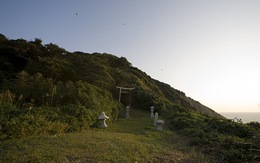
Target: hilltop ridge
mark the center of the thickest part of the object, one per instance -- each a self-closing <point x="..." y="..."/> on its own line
<point x="105" y="71"/>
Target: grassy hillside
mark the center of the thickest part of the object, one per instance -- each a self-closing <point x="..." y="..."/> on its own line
<point x="51" y="96"/>
<point x="126" y="140"/>
<point x="21" y="59"/>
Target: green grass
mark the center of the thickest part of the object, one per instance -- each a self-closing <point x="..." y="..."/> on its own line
<point x="125" y="140"/>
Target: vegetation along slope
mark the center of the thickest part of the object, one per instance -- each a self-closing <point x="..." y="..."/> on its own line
<point x="46" y="90"/>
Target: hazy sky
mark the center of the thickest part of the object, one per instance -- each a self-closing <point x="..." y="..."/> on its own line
<point x="209" y="49"/>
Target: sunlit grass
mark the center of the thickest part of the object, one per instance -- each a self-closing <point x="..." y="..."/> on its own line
<point x="126" y="140"/>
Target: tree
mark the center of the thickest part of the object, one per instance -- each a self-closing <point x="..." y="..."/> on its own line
<point x="3" y="39"/>
<point x="54" y="49"/>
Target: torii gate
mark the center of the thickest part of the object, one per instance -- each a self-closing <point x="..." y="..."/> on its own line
<point x="123" y="90"/>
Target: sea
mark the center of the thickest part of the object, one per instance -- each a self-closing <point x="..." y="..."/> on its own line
<point x="246" y="117"/>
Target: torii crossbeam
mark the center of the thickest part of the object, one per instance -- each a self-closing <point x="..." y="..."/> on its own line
<point x="123" y="90"/>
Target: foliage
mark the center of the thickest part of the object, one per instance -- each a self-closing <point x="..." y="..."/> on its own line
<point x="125" y="141"/>
<point x="45" y="89"/>
<point x="40" y="106"/>
<point x="225" y="139"/>
<point x="105" y="71"/>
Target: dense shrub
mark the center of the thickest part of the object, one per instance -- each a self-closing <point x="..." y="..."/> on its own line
<point x="19" y="122"/>
<point x="40" y="106"/>
<point x="229" y="127"/>
<point x="231" y="141"/>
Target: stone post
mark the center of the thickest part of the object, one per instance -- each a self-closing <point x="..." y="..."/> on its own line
<point x="127" y="111"/>
<point x="159" y="125"/>
<point x="152" y="114"/>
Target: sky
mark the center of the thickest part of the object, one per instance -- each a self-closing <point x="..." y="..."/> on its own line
<point x="209" y="49"/>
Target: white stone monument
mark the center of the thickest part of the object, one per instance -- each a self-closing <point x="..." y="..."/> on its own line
<point x="155" y="119"/>
<point x="127" y="111"/>
<point x="159" y="125"/>
<point x="103" y="119"/>
<point x="152" y="110"/>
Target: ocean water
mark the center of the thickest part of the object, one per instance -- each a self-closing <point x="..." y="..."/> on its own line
<point x="244" y="116"/>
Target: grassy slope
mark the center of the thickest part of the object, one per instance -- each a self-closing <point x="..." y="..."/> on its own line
<point x="126" y="140"/>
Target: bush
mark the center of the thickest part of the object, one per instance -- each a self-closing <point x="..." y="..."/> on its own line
<point x="228" y="127"/>
<point x="217" y="137"/>
<point x="67" y="107"/>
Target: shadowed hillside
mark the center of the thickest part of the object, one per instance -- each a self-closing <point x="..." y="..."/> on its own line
<point x="105" y="71"/>
<point x="46" y="90"/>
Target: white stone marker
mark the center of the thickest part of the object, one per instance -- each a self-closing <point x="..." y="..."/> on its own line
<point x="155" y="119"/>
<point x="103" y="119"/>
<point x="152" y="114"/>
<point x="127" y="111"/>
<point x="159" y="125"/>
